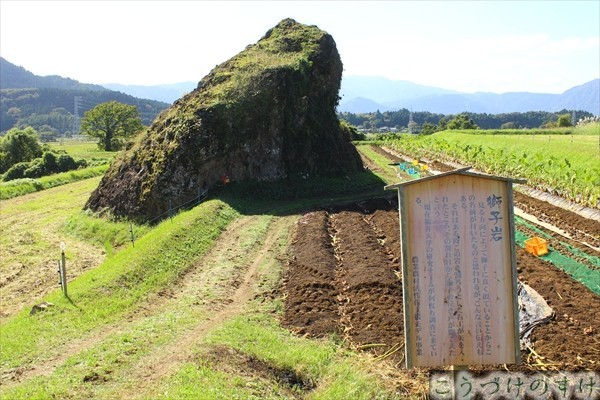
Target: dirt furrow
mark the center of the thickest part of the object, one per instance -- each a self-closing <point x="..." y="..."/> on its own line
<point x="311" y="305"/>
<point x="353" y="283"/>
<point x="369" y="284"/>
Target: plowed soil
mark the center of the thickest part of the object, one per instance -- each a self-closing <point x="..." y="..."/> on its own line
<point x="344" y="278"/>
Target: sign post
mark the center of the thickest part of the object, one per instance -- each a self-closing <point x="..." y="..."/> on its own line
<point x="459" y="275"/>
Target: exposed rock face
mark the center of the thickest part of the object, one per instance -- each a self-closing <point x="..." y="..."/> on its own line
<point x="265" y="114"/>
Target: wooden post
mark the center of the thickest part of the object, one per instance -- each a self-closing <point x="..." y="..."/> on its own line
<point x="63" y="270"/>
<point x="132" y="236"/>
<point x="171" y="210"/>
<point x="59" y="274"/>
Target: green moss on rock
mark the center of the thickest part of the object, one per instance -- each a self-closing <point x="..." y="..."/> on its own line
<point x="265" y="114"/>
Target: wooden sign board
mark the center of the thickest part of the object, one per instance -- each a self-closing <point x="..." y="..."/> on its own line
<point x="459" y="270"/>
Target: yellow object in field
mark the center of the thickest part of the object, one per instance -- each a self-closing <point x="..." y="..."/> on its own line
<point x="536" y="246"/>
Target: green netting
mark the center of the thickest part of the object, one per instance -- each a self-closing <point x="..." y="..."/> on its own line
<point x="580" y="272"/>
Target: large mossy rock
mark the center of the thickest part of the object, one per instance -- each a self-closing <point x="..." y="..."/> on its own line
<point x="266" y="114"/>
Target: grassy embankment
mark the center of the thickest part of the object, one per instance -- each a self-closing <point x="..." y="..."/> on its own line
<point x="565" y="164"/>
<point x="159" y="306"/>
<point x="76" y="149"/>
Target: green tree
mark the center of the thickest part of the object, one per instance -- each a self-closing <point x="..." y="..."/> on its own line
<point x="509" y="125"/>
<point x="19" y="145"/>
<point x="428" y="128"/>
<point x="111" y="122"/>
<point x="442" y="124"/>
<point x="462" y="121"/>
<point x="564" y="120"/>
<point x="350" y="132"/>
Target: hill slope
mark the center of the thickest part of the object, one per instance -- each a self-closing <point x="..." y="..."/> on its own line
<point x="367" y="94"/>
<point x="51" y="102"/>
<point x="16" y="77"/>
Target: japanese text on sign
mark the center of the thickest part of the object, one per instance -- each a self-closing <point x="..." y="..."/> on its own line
<point x="459" y="277"/>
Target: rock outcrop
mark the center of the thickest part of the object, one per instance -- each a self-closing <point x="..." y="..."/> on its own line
<point x="266" y="114"/>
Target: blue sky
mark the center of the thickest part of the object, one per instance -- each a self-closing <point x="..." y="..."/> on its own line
<point x="495" y="46"/>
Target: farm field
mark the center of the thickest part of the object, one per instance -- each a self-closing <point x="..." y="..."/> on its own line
<point x="265" y="301"/>
<point x="87" y="149"/>
<point x="568" y="165"/>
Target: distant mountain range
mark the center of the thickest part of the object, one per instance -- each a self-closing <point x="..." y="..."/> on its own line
<point x="362" y="94"/>
<point x="359" y="94"/>
<point x="53" y="103"/>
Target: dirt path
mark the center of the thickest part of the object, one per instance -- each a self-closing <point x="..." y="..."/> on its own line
<point x="233" y="298"/>
<point x="221" y="292"/>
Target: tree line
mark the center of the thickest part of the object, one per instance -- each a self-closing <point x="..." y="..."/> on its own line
<point x="427" y="120"/>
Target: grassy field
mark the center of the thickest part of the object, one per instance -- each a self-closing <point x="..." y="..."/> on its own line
<point x="568" y="165"/>
<point x="20" y="187"/>
<point x="151" y="320"/>
<point x="87" y="150"/>
<point x="77" y="149"/>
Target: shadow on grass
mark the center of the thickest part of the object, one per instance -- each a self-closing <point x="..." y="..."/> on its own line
<point x="298" y="194"/>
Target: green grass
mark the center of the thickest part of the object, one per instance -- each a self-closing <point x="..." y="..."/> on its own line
<point x="588" y="129"/>
<point x="388" y="172"/>
<point x="87" y="150"/>
<point x="297" y="193"/>
<point x="332" y="372"/>
<point x="559" y="146"/>
<point x="105" y="315"/>
<point x="104" y="294"/>
<point x="322" y="369"/>
<point x="33" y="226"/>
<point x="111" y="235"/>
<point x="20" y="187"/>
<point x="568" y="165"/>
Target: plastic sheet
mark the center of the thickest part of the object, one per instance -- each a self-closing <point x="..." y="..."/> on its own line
<point x="533" y="311"/>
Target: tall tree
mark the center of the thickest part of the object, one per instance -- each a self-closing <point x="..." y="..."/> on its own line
<point x="564" y="120"/>
<point x="19" y="145"/>
<point x="111" y="122"/>
<point x="462" y="121"/>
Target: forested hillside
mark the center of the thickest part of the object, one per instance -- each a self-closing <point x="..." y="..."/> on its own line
<point x="53" y="103"/>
